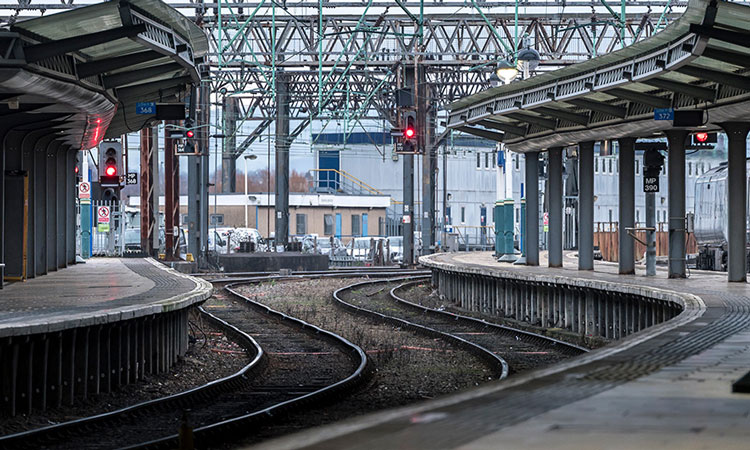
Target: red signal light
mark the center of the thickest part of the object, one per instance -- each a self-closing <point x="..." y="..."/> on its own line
<point x="111" y="171"/>
<point x="190" y="133"/>
<point x="409" y="133"/>
<point x="76" y="169"/>
<point x="701" y="137"/>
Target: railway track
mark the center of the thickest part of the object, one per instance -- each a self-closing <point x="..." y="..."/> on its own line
<point x="264" y="389"/>
<point x="515" y="350"/>
<point x="221" y="410"/>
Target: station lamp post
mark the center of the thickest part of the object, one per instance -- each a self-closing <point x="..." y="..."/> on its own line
<point x="248" y="157"/>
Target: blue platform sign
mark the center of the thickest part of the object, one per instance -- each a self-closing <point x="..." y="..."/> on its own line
<point x="145" y="108"/>
<point x="664" y="114"/>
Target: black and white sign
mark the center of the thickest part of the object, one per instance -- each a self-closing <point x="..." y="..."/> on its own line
<point x="650" y="184"/>
<point x="132" y="178"/>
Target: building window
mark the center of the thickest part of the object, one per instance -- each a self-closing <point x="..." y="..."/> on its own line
<point x="301" y="225"/>
<point x="486" y="160"/>
<point x="610" y="167"/>
<point x="328" y="224"/>
<point x="463" y="214"/>
<point x="217" y="219"/>
<point x="596" y="165"/>
<point x="479" y="160"/>
<point x="356" y="225"/>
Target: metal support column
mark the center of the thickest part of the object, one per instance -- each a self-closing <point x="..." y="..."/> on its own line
<point x="408" y="212"/>
<point x="531" y="235"/>
<point x="626" y="214"/>
<point x="426" y="125"/>
<point x="651" y="235"/>
<point x="171" y="197"/>
<point x="555" y="207"/>
<point x="586" y="205"/>
<point x="737" y="201"/>
<point x="676" y="206"/>
<point x="148" y="220"/>
<point x="283" y="143"/>
<point x="228" y="157"/>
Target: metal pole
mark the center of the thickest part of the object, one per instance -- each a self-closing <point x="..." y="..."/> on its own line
<point x="555" y="207"/>
<point x="408" y="212"/>
<point x="737" y="201"/>
<point x="497" y="210"/>
<point x="531" y="235"/>
<point x="246" y="221"/>
<point x="282" y="161"/>
<point x="228" y="160"/>
<point x="626" y="157"/>
<point x="445" y="195"/>
<point x="586" y="206"/>
<point x="676" y="206"/>
<point x="651" y="235"/>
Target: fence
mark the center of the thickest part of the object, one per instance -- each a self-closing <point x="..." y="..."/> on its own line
<point x="607" y="235"/>
<point x="108" y="243"/>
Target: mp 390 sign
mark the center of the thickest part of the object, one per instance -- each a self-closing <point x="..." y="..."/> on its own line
<point x="650" y="184"/>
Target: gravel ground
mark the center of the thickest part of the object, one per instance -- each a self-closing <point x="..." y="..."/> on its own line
<point x="409" y="368"/>
<point x="424" y="294"/>
<point x="210" y="356"/>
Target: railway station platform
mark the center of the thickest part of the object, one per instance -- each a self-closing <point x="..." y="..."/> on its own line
<point x="90" y="328"/>
<point x="665" y="381"/>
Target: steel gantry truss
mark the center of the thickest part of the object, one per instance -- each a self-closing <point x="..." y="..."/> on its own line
<point x="342" y="58"/>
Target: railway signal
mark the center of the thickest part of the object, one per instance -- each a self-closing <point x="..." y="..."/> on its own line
<point x="110" y="164"/>
<point x="410" y="134"/>
<point x="703" y="140"/>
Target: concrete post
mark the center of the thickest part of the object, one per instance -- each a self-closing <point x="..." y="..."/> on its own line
<point x="586" y="206"/>
<point x="531" y="235"/>
<point x="737" y="201"/>
<point x="626" y="219"/>
<point x="676" y="206"/>
<point x="555" y="207"/>
<point x="283" y="142"/>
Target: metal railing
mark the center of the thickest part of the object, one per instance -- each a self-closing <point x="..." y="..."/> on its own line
<point x="338" y="181"/>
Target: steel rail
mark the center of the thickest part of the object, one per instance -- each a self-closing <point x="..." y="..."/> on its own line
<point x="179" y="400"/>
<point x="224" y="429"/>
<point x="527" y="336"/>
<point x="498" y="365"/>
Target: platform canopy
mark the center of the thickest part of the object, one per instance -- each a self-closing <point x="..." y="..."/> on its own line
<point x="700" y="61"/>
<point x="81" y="72"/>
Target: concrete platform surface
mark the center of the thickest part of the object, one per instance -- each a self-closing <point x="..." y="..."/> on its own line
<point x="668" y="386"/>
<point x="103" y="290"/>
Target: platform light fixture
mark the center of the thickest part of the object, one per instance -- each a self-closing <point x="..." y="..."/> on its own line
<point x="506" y="71"/>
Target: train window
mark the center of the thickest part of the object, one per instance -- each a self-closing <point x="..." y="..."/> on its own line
<point x="690" y="168"/>
<point x="610" y="168"/>
<point x="637" y="167"/>
<point x="486" y="160"/>
<point x="479" y="160"/>
<point x="596" y="165"/>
